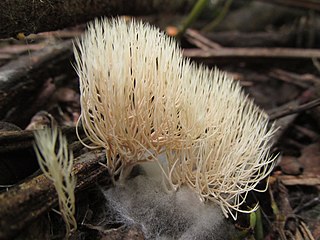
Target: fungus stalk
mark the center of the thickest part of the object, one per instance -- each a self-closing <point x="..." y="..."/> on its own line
<point x="141" y="99"/>
<point x="56" y="163"/>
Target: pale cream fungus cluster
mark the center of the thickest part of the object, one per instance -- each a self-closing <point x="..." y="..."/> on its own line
<point x="141" y="99"/>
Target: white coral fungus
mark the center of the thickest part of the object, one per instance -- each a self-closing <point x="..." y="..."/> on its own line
<point x="140" y="98"/>
<point x="56" y="163"/>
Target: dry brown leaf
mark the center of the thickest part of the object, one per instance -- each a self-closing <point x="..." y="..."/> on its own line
<point x="310" y="159"/>
<point x="290" y="165"/>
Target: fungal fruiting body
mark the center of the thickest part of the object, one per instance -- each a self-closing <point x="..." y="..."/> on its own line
<point x="141" y="99"/>
<point x="130" y="85"/>
<point x="56" y="163"/>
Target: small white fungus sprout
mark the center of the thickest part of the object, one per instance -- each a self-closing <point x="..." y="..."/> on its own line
<point x="56" y="163"/>
<point x="141" y="99"/>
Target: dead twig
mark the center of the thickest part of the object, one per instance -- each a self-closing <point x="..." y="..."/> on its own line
<point x="22" y="79"/>
<point x="253" y="39"/>
<point x="201" y="41"/>
<point x="288" y="77"/>
<point x="303" y="180"/>
<point x="313" y="202"/>
<point x="16" y="140"/>
<point x="17" y="158"/>
<point x="20" y="49"/>
<point x="283" y="123"/>
<point x="297" y="109"/>
<point x="252" y="53"/>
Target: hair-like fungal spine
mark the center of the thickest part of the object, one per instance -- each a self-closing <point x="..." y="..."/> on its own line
<point x="140" y="98"/>
<point x="56" y="162"/>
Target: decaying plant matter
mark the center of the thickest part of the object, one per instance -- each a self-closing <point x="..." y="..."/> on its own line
<point x="141" y="99"/>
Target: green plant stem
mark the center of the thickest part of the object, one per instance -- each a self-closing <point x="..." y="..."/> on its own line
<point x="219" y="18"/>
<point x="253" y="220"/>
<point x="193" y="15"/>
<point x="274" y="205"/>
<point x="258" y="231"/>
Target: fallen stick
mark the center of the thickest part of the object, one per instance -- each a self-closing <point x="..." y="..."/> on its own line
<point x="285" y="122"/>
<point x="252" y="53"/>
<point x="16" y="140"/>
<point x="297" y="109"/>
<point x="291" y="78"/>
<point x="235" y="38"/>
<point x="304" y="180"/>
<point x="17" y="158"/>
<point x="201" y="41"/>
<point x="26" y="202"/>
<point x="21" y="79"/>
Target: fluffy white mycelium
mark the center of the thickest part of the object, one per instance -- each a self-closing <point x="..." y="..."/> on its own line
<point x="141" y="99"/>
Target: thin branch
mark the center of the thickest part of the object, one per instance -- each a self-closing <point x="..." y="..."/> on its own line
<point x="293" y="78"/>
<point x="201" y="41"/>
<point x="297" y="109"/>
<point x="17" y="140"/>
<point x="253" y="53"/>
<point x="282" y="124"/>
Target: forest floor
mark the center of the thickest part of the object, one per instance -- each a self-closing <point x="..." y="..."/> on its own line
<point x="275" y="58"/>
